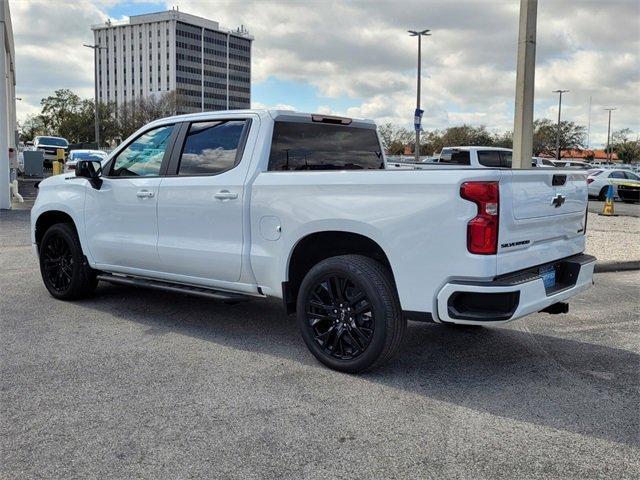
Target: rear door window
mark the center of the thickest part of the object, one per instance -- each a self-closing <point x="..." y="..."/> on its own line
<point x="455" y="157"/>
<point x="489" y="158"/>
<point x="211" y="147"/>
<point x="616" y="175"/>
<point x="317" y="146"/>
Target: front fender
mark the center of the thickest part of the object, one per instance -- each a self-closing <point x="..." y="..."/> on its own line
<point x="68" y="198"/>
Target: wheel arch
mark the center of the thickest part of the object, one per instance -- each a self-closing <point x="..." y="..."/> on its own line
<point x="49" y="218"/>
<point x="314" y="247"/>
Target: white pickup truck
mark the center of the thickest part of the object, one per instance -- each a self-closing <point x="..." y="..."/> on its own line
<point x="240" y="204"/>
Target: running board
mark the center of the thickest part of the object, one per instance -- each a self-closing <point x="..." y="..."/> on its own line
<point x="173" y="287"/>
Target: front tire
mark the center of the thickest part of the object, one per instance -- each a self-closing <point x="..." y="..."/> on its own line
<point x="63" y="266"/>
<point x="349" y="313"/>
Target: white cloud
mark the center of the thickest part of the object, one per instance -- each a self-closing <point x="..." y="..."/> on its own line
<point x="49" y="53"/>
<point x="360" y="49"/>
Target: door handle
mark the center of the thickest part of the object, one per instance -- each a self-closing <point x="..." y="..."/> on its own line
<point x="144" y="194"/>
<point x="226" y="195"/>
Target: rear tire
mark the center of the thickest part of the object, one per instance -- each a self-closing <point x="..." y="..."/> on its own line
<point x="63" y="266"/>
<point x="349" y="313"/>
<point x="603" y="194"/>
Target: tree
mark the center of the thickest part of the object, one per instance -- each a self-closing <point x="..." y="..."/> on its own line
<point x="504" y="140"/>
<point x="572" y="136"/>
<point x="58" y="108"/>
<point x="138" y="112"/>
<point x="394" y="138"/>
<point x="32" y="126"/>
<point x="628" y="150"/>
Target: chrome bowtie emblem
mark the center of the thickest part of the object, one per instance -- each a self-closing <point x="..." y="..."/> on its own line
<point x="558" y="200"/>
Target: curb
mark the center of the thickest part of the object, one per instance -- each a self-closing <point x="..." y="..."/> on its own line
<point x="602" y="267"/>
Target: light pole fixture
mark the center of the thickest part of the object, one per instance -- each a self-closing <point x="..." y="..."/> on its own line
<point x="609" y="134"/>
<point x="418" y="113"/>
<point x="558" y="132"/>
<point x="96" y="49"/>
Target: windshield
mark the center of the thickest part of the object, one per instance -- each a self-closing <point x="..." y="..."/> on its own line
<point x="58" y="142"/>
<point x="87" y="156"/>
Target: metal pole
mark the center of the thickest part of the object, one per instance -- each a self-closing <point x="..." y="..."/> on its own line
<point x="558" y="130"/>
<point x="95" y="79"/>
<point x="417" y="149"/>
<point x="525" y="82"/>
<point x="96" y="51"/>
<point x="417" y="121"/>
<point x="228" y="38"/>
<point x="589" y="125"/>
<point x="609" y="135"/>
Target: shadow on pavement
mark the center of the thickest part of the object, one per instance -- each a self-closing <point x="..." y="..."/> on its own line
<point x="554" y="382"/>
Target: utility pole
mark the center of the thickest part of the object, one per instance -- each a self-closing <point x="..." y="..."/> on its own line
<point x="418" y="114"/>
<point x="609" y="134"/>
<point x="96" y="50"/>
<point x="558" y="131"/>
<point x="525" y="81"/>
<point x="589" y="125"/>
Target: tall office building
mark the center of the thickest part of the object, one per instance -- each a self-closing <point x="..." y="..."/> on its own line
<point x="209" y="68"/>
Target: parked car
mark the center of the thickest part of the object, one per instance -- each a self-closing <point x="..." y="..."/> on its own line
<point x="49" y="147"/>
<point x="485" y="157"/>
<point x="256" y="203"/>
<point x="476" y="156"/>
<point x="76" y="155"/>
<point x="629" y="192"/>
<point x="541" y="162"/>
<point x="572" y="164"/>
<point x="598" y="181"/>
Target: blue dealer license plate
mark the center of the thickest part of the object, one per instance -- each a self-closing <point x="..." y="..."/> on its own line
<point x="548" y="275"/>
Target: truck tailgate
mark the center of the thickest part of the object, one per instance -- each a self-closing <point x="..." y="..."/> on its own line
<point x="542" y="217"/>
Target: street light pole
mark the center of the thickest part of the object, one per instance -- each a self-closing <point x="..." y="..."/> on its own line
<point x="609" y="134"/>
<point x="559" y="112"/>
<point x="418" y="113"/>
<point x="96" y="50"/>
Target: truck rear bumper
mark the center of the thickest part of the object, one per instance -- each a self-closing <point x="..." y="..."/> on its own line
<point x="514" y="295"/>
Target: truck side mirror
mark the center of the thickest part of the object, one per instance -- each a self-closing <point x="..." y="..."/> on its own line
<point x="91" y="170"/>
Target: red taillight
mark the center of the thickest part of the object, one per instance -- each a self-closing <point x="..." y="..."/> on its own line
<point x="482" y="230"/>
<point x="589" y="180"/>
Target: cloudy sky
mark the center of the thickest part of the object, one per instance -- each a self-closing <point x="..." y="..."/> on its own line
<point x="355" y="57"/>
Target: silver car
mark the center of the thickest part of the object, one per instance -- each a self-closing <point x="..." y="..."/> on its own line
<point x="76" y="155"/>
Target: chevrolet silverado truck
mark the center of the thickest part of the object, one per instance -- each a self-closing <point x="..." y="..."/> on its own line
<point x="240" y="204"/>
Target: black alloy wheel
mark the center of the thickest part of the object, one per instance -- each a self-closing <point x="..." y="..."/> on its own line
<point x="64" y="268"/>
<point x="341" y="317"/>
<point x="57" y="263"/>
<point x="349" y="313"/>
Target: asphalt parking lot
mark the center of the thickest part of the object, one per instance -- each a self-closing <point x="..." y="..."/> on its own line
<point x="619" y="208"/>
<point x="139" y="384"/>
